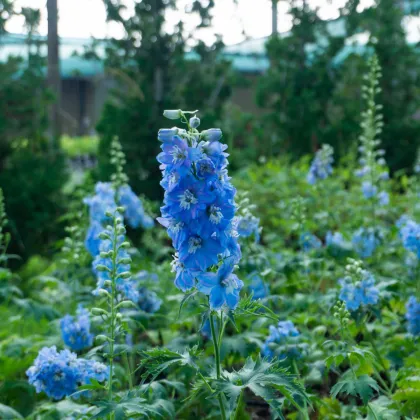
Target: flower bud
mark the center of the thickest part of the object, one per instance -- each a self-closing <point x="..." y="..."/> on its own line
<point x="101" y="267"/>
<point x="212" y="134"/>
<point x="194" y="122"/>
<point x="99" y="311"/>
<point x="172" y="114"/>
<point x="102" y="338"/>
<point x="104" y="235"/>
<point x="124" y="275"/>
<point x="120" y="209"/>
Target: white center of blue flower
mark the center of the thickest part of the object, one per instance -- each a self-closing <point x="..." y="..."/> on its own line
<point x="215" y="215"/>
<point x="230" y="284"/>
<point x="175" y="226"/>
<point x="177" y="154"/>
<point x="187" y="199"/>
<point x="194" y="243"/>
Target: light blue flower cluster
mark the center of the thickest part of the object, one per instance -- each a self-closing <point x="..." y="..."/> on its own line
<point x="281" y="342"/>
<point x="249" y="225"/>
<point x="108" y="243"/>
<point x="75" y="331"/>
<point x="334" y="239"/>
<point x="321" y="167"/>
<point x="58" y="374"/>
<point x="199" y="212"/>
<point x="257" y="286"/>
<point x="360" y="292"/>
<point x="308" y="242"/>
<point x="105" y="199"/>
<point x="365" y="241"/>
<point x="410" y="235"/>
<point x="413" y="316"/>
<point x="148" y="300"/>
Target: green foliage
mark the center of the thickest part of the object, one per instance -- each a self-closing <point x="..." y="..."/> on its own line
<point x="363" y="386"/>
<point x="266" y="380"/>
<point x="79" y="146"/>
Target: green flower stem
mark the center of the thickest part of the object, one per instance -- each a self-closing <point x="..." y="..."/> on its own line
<point x="238" y="404"/>
<point x="112" y="310"/>
<point x="218" y="368"/>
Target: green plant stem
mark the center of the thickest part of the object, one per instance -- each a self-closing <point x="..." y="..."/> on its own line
<point x="218" y="368"/>
<point x="113" y="315"/>
<point x="238" y="404"/>
<point x="128" y="367"/>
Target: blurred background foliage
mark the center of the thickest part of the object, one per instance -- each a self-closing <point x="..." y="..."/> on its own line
<point x="309" y="95"/>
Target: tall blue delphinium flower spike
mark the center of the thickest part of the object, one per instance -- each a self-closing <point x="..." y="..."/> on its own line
<point x="334" y="239"/>
<point x="358" y="287"/>
<point x="365" y="241"/>
<point x="410" y="235"/>
<point x="257" y="286"/>
<point x="75" y="331"/>
<point x="148" y="301"/>
<point x="413" y="316"/>
<point x="199" y="212"/>
<point x="281" y="342"/>
<point x="373" y="170"/>
<point x="321" y="167"/>
<point x="58" y="374"/>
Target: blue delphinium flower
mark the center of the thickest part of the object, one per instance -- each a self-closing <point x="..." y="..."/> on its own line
<point x="358" y="293"/>
<point x="413" y="316"/>
<point x="105" y="200"/>
<point x="223" y="287"/>
<point x="75" y="331"/>
<point x="280" y="342"/>
<point x="257" y="286"/>
<point x="308" y="242"/>
<point x="365" y="241"/>
<point x="334" y="239"/>
<point x="249" y="225"/>
<point x="58" y="374"/>
<point x="199" y="211"/>
<point x="410" y="235"/>
<point x="383" y="198"/>
<point x="148" y="301"/>
<point x="133" y="208"/>
<point x="321" y="167"/>
<point x="369" y="190"/>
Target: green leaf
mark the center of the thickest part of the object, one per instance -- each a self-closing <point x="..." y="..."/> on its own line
<point x="266" y="380"/>
<point x="247" y="306"/>
<point x="8" y="413"/>
<point x="363" y="386"/>
<point x="156" y="360"/>
<point x="185" y="299"/>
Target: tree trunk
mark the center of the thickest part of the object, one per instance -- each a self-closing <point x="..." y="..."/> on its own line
<point x="53" y="77"/>
<point x="274" y="22"/>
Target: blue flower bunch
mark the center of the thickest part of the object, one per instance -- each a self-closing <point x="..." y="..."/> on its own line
<point x="106" y="199"/>
<point x="373" y="170"/>
<point x="410" y="235"/>
<point x="281" y="341"/>
<point x="257" y="286"/>
<point x="365" y="241"/>
<point x="247" y="224"/>
<point x="358" y="287"/>
<point x="309" y="242"/>
<point x="413" y="316"/>
<point x="334" y="239"/>
<point x="321" y="167"/>
<point x="58" y="374"/>
<point x="199" y="211"/>
<point x="148" y="300"/>
<point x="75" y="331"/>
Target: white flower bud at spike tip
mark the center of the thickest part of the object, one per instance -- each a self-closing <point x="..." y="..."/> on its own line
<point x="194" y="122"/>
<point x="172" y="114"/>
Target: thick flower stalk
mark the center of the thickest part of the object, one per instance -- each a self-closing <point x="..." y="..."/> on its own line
<point x="114" y="283"/>
<point x="321" y="166"/>
<point x="199" y="212"/>
<point x="373" y="170"/>
<point x="58" y="374"/>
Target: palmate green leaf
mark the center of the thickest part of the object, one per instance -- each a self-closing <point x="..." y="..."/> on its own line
<point x="157" y="360"/>
<point x="266" y="380"/>
<point x="363" y="386"/>
<point x="8" y="413"/>
<point x="381" y="409"/>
